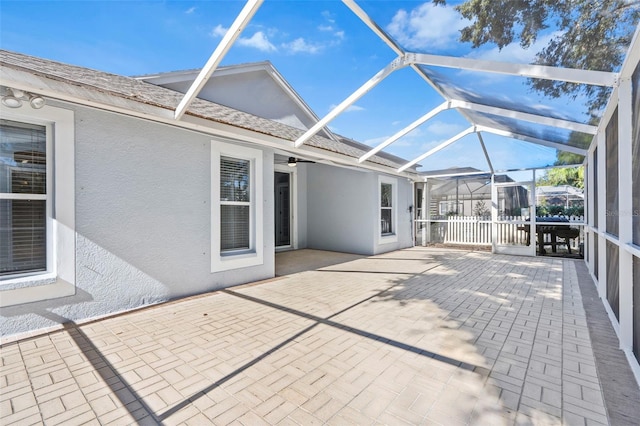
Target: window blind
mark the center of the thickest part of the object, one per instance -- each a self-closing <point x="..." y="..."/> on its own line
<point x="235" y="204"/>
<point x="23" y="198"/>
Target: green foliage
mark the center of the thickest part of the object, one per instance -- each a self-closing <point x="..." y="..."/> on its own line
<point x="573" y="176"/>
<point x="545" y="210"/>
<point x="542" y="210"/>
<point x="555" y="210"/>
<point x="566" y="158"/>
<point x="589" y="34"/>
<point x="481" y="209"/>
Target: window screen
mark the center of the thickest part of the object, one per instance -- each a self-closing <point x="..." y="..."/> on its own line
<point x="613" y="278"/>
<point x="613" y="214"/>
<point x="235" y="204"/>
<point x="635" y="156"/>
<point x="595" y="187"/>
<point x="636" y="307"/>
<point x="23" y="198"/>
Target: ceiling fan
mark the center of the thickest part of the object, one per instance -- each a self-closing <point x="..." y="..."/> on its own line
<point x="293" y="161"/>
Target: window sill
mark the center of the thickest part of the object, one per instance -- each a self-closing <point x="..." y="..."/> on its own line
<point x="32" y="279"/>
<point x="227" y="261"/>
<point x="33" y="288"/>
<point x="388" y="239"/>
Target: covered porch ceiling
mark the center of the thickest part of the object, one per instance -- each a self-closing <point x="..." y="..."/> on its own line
<point x="452" y="78"/>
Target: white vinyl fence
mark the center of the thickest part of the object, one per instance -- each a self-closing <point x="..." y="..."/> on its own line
<point x="476" y="230"/>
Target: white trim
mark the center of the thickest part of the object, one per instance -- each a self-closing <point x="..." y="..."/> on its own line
<point x="60" y="278"/>
<point x="632" y="248"/>
<point x="602" y="210"/>
<point x="253" y="256"/>
<point x="625" y="207"/>
<point x="9" y="196"/>
<point x="393" y="236"/>
<point x="293" y="173"/>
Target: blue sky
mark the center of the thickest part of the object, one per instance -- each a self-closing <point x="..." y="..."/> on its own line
<point x="320" y="47"/>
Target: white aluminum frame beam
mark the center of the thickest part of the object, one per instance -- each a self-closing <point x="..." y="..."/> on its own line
<point x="227" y="41"/>
<point x="437" y="110"/>
<point x="486" y="153"/>
<point x="396" y="64"/>
<point x="446" y="105"/>
<point x="486" y="172"/>
<point x="633" y="55"/>
<point x="532" y="118"/>
<point x="362" y="15"/>
<point x="438" y="148"/>
<point x="571" y="75"/>
<point x="530" y="139"/>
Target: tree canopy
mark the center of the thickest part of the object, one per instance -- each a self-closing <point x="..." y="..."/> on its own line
<point x="573" y="176"/>
<point x="588" y="34"/>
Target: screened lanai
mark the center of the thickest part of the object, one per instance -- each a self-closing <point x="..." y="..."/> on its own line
<point x="495" y="137"/>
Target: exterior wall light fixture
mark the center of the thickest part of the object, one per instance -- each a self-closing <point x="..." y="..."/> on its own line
<point x="14" y="98"/>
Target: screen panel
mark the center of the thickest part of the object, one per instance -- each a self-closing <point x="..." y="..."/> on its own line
<point x="613" y="215"/>
<point x="613" y="278"/>
<point x="635" y="147"/>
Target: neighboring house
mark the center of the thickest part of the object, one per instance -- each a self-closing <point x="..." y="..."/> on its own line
<point x="108" y="203"/>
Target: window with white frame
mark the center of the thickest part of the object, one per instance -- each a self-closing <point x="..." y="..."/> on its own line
<point x="37" y="204"/>
<point x="236" y="213"/>
<point x="235" y="204"/>
<point x="387" y="209"/>
<point x="23" y="198"/>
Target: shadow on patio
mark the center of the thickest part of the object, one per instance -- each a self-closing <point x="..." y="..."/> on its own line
<point x="414" y="336"/>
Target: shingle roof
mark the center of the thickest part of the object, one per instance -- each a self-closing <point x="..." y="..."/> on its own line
<point x="139" y="91"/>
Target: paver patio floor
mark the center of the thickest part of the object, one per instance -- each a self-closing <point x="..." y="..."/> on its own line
<point x="417" y="336"/>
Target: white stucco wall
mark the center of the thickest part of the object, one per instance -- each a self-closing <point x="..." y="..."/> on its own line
<point x="342" y="211"/>
<point x="143" y="228"/>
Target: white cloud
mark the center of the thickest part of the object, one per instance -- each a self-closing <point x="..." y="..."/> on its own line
<point x="400" y="143"/>
<point x="330" y="26"/>
<point x="443" y="128"/>
<point x="375" y="141"/>
<point x="300" y="45"/>
<point x="513" y="52"/>
<point x="427" y="27"/>
<point x="219" y="31"/>
<point x="328" y="16"/>
<point x="257" y="41"/>
<point x="352" y="108"/>
<point x="190" y="10"/>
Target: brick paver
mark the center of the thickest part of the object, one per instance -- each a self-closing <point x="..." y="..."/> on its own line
<point x="417" y="336"/>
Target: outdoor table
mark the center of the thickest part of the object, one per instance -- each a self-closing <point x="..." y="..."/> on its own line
<point x="554" y="229"/>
